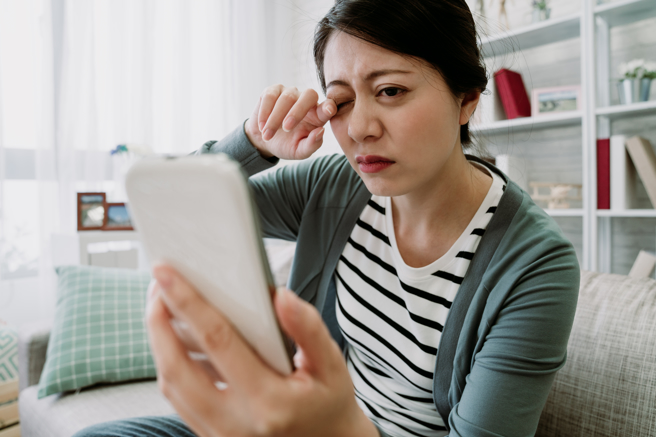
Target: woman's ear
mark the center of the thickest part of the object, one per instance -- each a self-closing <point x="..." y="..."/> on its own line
<point x="468" y="106"/>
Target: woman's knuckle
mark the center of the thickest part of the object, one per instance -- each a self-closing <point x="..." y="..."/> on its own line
<point x="288" y="97"/>
<point x="218" y="336"/>
<point x="272" y="423"/>
<point x="312" y="93"/>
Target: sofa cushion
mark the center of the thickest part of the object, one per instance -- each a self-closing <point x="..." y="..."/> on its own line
<point x="608" y="385"/>
<point x="99" y="332"/>
<point x="62" y="415"/>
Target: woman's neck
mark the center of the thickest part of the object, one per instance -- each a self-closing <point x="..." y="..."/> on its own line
<point x="428" y="221"/>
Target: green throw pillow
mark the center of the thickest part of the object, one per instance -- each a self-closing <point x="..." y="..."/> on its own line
<point x="99" y="332"/>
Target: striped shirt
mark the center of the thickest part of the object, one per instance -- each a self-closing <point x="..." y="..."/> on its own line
<point x="392" y="315"/>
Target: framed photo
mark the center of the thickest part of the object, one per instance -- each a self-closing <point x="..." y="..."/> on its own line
<point x="117" y="218"/>
<point x="90" y="211"/>
<point x="555" y="100"/>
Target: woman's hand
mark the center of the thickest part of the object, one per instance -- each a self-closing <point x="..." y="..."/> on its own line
<point x="317" y="399"/>
<point x="289" y="124"/>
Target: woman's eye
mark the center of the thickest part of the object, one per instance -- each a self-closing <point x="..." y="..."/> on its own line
<point x="341" y="105"/>
<point x="391" y="91"/>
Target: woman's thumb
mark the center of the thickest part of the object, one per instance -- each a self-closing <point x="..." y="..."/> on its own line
<point x="303" y="324"/>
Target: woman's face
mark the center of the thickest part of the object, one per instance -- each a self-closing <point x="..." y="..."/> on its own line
<point x="396" y="120"/>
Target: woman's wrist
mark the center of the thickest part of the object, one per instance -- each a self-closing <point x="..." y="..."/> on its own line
<point x="360" y="426"/>
<point x="255" y="137"/>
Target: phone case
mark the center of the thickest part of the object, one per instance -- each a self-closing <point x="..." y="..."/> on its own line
<point x="196" y="213"/>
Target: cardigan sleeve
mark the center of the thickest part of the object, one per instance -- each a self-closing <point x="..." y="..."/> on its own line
<point x="282" y="195"/>
<point x="524" y="346"/>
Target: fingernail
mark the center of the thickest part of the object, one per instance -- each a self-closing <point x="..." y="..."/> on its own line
<point x="268" y="134"/>
<point x="320" y="134"/>
<point x="288" y="124"/>
<point x="328" y="109"/>
<point x="164" y="278"/>
<point x="261" y="125"/>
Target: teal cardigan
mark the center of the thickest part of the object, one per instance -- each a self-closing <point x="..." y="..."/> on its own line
<point x="507" y="330"/>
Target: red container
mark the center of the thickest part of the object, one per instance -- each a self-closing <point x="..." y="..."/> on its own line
<point x="512" y="92"/>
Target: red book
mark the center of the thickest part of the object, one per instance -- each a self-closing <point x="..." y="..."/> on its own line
<point x="512" y="93"/>
<point x="603" y="173"/>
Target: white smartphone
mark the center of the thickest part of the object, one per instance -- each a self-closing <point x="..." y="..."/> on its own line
<point x="197" y="214"/>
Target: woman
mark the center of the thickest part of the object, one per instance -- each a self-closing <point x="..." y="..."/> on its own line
<point x="444" y="296"/>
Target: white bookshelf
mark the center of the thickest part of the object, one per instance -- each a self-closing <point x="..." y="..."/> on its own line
<point x="534" y="35"/>
<point x="592" y="26"/>
<point x="565" y="212"/>
<point x="526" y="123"/>
<point x="649" y="213"/>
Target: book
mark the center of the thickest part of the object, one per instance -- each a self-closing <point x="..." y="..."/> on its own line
<point x="603" y="173"/>
<point x="644" y="265"/>
<point x="9" y="414"/>
<point x="644" y="159"/>
<point x="622" y="175"/>
<point x="12" y="431"/>
<point x="515" y="168"/>
<point x="512" y="93"/>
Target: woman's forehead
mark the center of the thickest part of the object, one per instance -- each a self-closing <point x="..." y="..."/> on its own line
<point x="348" y="58"/>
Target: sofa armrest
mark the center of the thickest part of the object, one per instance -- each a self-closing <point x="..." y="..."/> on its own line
<point x="32" y="345"/>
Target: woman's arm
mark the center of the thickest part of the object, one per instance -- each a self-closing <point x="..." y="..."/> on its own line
<point x="280" y="197"/>
<point x="524" y="348"/>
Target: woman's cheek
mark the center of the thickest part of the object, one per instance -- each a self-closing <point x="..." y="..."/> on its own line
<point x="339" y="126"/>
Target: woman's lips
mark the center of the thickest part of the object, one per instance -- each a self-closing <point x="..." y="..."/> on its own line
<point x="373" y="163"/>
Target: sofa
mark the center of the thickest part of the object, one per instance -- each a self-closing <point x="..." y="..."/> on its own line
<point x="606" y="388"/>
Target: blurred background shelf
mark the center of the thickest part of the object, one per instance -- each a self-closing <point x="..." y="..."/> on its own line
<point x="565" y="212"/>
<point x="527" y="123"/>
<point x="627" y="213"/>
<point x="626" y="12"/>
<point x="535" y="35"/>
<point x="623" y="111"/>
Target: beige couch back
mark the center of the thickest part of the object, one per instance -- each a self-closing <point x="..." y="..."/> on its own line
<point x="608" y="385"/>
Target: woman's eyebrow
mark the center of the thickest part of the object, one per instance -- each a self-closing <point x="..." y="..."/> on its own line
<point x="370" y="76"/>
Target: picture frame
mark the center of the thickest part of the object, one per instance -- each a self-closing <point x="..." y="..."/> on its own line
<point x="554" y="100"/>
<point x="90" y="211"/>
<point x="117" y="217"/>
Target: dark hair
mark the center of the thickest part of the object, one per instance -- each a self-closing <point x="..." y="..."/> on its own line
<point x="440" y="32"/>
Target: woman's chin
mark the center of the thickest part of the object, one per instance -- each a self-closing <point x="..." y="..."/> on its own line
<point x="383" y="187"/>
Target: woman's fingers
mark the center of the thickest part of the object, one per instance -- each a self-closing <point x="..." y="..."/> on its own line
<point x="267" y="103"/>
<point x="187" y="388"/>
<point x="310" y="144"/>
<point x="226" y="349"/>
<point x="326" y="110"/>
<point x="285" y="102"/>
<point x="306" y="101"/>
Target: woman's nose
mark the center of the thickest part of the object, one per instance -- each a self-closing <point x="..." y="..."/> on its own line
<point x="364" y="124"/>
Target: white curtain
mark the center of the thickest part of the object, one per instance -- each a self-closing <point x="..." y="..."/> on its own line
<point x="164" y="74"/>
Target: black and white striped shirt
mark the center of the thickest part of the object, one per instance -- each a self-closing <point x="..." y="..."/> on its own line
<point x="392" y="316"/>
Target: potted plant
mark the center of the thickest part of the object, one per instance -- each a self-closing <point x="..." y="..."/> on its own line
<point x="540" y="10"/>
<point x="635" y="80"/>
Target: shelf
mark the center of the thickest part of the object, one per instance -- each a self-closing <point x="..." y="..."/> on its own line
<point x="622" y="111"/>
<point x="565" y="212"/>
<point x="626" y="12"/>
<point x="627" y="213"/>
<point x="534" y="35"/>
<point x="527" y="123"/>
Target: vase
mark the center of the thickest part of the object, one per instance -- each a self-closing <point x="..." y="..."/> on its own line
<point x="633" y="90"/>
<point x="541" y="14"/>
